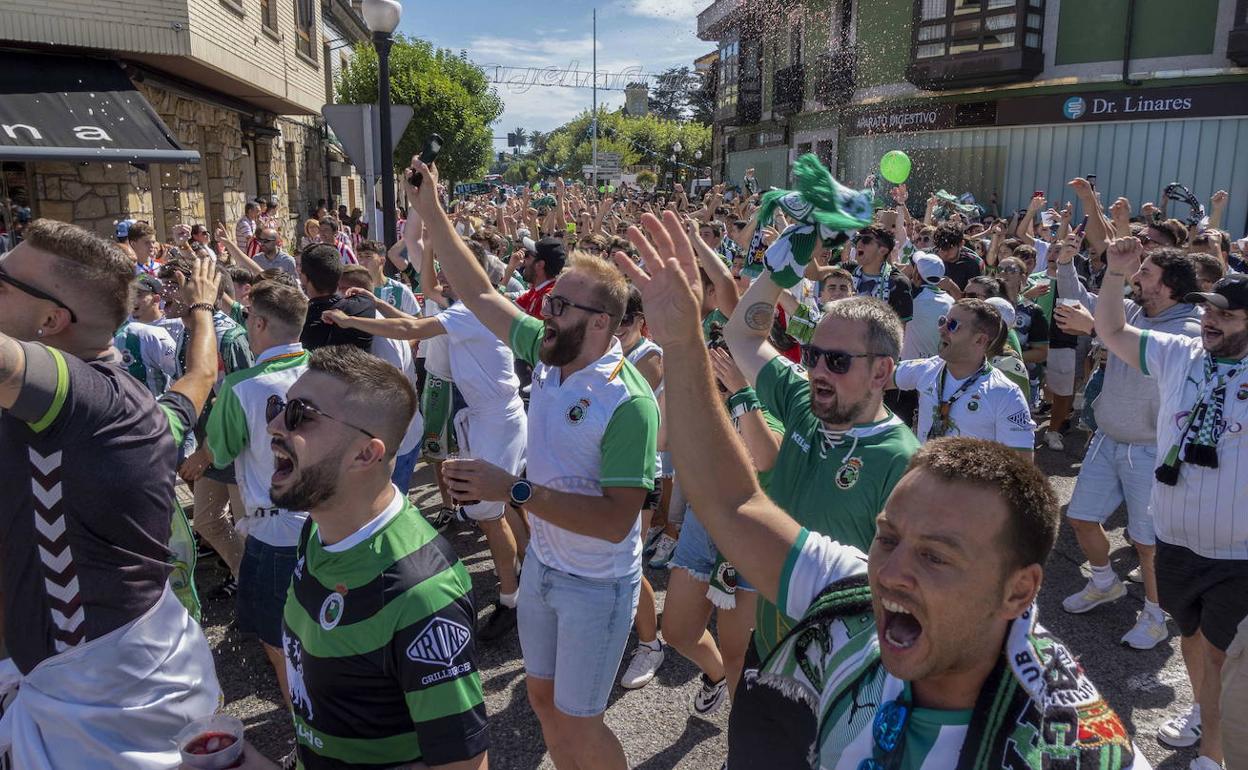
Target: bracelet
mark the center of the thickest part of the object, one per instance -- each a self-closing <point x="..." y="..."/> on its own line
<point x="743" y="402"/>
<point x="203" y="306"/>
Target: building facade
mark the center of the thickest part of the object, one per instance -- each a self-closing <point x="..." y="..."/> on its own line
<point x="998" y="98"/>
<point x="240" y="82"/>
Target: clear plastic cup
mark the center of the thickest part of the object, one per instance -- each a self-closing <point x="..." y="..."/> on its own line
<point x="207" y="732"/>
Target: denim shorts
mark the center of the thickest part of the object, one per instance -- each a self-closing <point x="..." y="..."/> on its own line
<point x="1114" y="473"/>
<point x="573" y="630"/>
<point x="695" y="552"/>
<point x="263" y="580"/>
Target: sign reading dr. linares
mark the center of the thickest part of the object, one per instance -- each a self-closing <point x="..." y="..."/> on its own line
<point x="1137" y="104"/>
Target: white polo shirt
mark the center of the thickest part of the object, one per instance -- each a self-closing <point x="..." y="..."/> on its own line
<point x="993" y="408"/>
<point x="1205" y="511"/>
<point x="238" y="433"/>
<point x="597" y="429"/>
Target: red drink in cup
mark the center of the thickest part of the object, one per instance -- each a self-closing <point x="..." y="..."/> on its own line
<point x="212" y="743"/>
<point x="452" y="457"/>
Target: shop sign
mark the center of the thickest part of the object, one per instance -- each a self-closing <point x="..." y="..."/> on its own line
<point x="1137" y="104"/>
<point x="898" y="120"/>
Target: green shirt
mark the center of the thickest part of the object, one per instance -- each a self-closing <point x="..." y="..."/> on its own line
<point x="714" y="318"/>
<point x="836" y="489"/>
<point x="379" y="644"/>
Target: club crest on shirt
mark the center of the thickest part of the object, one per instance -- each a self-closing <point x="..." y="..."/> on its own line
<point x="1242" y="393"/>
<point x="847" y="475"/>
<point x="973" y="404"/>
<point x="577" y="412"/>
<point x="331" y="610"/>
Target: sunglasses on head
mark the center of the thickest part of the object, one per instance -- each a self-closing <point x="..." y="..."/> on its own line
<point x="297" y="410"/>
<point x="837" y="361"/>
<point x="26" y="288"/>
<point x="952" y="324"/>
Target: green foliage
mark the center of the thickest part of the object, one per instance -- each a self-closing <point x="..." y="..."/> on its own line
<point x="644" y="141"/>
<point x="450" y="96"/>
<point x="521" y="172"/>
<point x="646" y="180"/>
<point x="674" y="94"/>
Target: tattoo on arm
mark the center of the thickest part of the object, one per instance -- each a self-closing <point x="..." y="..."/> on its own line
<point x="758" y="316"/>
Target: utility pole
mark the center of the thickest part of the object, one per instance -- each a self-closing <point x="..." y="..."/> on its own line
<point x="594" y="141"/>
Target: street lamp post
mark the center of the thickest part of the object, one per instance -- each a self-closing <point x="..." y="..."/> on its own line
<point x="382" y="18"/>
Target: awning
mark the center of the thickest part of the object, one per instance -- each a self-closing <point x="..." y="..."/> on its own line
<point x="74" y="108"/>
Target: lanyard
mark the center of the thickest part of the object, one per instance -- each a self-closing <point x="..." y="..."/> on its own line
<point x="940" y="425"/>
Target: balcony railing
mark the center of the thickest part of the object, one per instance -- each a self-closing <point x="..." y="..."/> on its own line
<point x="790" y="90"/>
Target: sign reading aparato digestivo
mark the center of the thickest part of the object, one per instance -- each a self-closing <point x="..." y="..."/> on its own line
<point x="895" y="120"/>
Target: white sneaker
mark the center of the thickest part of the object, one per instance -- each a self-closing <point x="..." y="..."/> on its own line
<point x="1182" y="730"/>
<point x="1204" y="763"/>
<point x="711" y="696"/>
<point x="663" y="551"/>
<point x="642" y="668"/>
<point x="1091" y="596"/>
<point x="1136" y="575"/>
<point x="1147" y="633"/>
<point x="1054" y="441"/>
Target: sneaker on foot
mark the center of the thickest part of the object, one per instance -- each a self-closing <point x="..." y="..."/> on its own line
<point x="642" y="668"/>
<point x="442" y="519"/>
<point x="1147" y="633"/>
<point x="1136" y="575"/>
<point x="1181" y="730"/>
<point x="226" y="590"/>
<point x="663" y="551"/>
<point x="500" y="622"/>
<point x="1053" y="440"/>
<point x="711" y="696"/>
<point x="290" y="761"/>
<point x="1091" y="596"/>
<point x="651" y="540"/>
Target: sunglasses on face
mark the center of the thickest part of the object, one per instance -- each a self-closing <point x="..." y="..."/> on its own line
<point x="26" y="288"/>
<point x="864" y="240"/>
<point x="952" y="324"/>
<point x="297" y="410"/>
<point x="1010" y="270"/>
<point x="554" y="305"/>
<point x="837" y="361"/>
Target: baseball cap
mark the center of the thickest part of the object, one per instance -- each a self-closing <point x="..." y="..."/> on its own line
<point x="931" y="267"/>
<point x="1230" y="293"/>
<point x="1003" y="307"/>
<point x="123" y="227"/>
<point x="149" y="283"/>
<point x="550" y="251"/>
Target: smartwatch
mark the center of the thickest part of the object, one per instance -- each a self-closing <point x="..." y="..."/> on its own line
<point x="521" y="492"/>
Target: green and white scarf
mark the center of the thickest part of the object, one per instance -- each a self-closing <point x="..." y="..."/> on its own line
<point x="1199" y="437"/>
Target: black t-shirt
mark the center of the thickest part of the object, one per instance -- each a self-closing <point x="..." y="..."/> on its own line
<point x="317" y="334"/>
<point x="87" y="485"/>
<point x="964" y="268"/>
<point x="899" y="294"/>
<point x="1030" y="324"/>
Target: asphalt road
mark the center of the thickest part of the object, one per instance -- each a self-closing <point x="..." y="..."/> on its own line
<point x="655" y="724"/>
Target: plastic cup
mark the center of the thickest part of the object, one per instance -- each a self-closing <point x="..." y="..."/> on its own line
<point x="201" y="734"/>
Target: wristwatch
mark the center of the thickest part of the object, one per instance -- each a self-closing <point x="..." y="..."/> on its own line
<point x="521" y="492"/>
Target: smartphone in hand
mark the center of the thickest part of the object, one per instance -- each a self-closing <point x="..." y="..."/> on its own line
<point x="433" y="146"/>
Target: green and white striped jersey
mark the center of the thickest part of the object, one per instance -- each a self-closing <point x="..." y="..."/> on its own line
<point x="148" y="353"/>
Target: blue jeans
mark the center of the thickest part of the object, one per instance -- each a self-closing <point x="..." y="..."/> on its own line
<point x="263" y="580"/>
<point x="695" y="552"/>
<point x="404" y="467"/>
<point x="1114" y="473"/>
<point x="573" y="630"/>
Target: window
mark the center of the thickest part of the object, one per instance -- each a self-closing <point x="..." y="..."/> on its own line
<point x="729" y="72"/>
<point x="953" y="27"/>
<point x="795" y="45"/>
<point x="268" y="15"/>
<point x="305" y="28"/>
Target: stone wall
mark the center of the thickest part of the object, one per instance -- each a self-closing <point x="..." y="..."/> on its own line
<point x="93" y="195"/>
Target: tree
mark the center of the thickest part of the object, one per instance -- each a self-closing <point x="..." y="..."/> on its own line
<point x="647" y="180"/>
<point x="522" y="137"/>
<point x="521" y="172"/>
<point x="537" y="142"/>
<point x="672" y="93"/>
<point x="450" y="96"/>
<point x="639" y="140"/>
<point x="702" y="98"/>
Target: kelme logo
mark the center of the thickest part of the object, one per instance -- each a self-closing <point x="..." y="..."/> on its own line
<point x="1074" y="108"/>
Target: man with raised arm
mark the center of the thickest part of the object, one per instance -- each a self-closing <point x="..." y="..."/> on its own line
<point x="926" y="652"/>
<point x="593" y="424"/>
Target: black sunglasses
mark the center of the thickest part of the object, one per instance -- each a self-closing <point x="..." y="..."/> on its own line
<point x="36" y="293"/>
<point x="865" y="240"/>
<point x="296" y="411"/>
<point x="837" y="361"/>
<point x="555" y="305"/>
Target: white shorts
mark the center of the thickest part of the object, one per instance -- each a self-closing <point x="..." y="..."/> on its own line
<point x="1060" y="371"/>
<point x="499" y="439"/>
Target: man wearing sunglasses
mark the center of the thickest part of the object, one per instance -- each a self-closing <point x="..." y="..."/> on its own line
<point x="960" y="392"/>
<point x="843" y="449"/>
<point x="89" y="617"/>
<point x="875" y="277"/>
<point x="592" y="431"/>
<point x="237" y="438"/>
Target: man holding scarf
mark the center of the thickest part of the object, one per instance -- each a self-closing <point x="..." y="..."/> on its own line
<point x="1201" y="524"/>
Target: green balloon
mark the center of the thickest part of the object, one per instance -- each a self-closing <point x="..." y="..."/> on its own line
<point x="895" y="166"/>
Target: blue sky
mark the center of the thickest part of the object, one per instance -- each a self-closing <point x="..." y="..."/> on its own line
<point x="649" y="35"/>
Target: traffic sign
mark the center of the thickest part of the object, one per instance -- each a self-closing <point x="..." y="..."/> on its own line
<point x="358" y="127"/>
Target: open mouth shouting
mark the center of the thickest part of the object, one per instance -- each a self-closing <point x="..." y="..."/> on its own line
<point x="283" y="463"/>
<point x="900" y="629"/>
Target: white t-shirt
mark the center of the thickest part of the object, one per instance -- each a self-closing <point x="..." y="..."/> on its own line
<point x="149" y="353"/>
<point x="1205" y="511"/>
<point x="993" y="408"/>
<point x="1042" y="255"/>
<point x="436" y="350"/>
<point x="398" y="353"/>
<point x="922" y="337"/>
<point x="481" y="364"/>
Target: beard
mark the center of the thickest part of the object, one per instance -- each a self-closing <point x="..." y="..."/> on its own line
<point x="1230" y="345"/>
<point x="838" y="412"/>
<point x="563" y="348"/>
<point x="316" y="484"/>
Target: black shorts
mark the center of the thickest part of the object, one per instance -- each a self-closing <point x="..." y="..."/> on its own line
<point x="1202" y="594"/>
